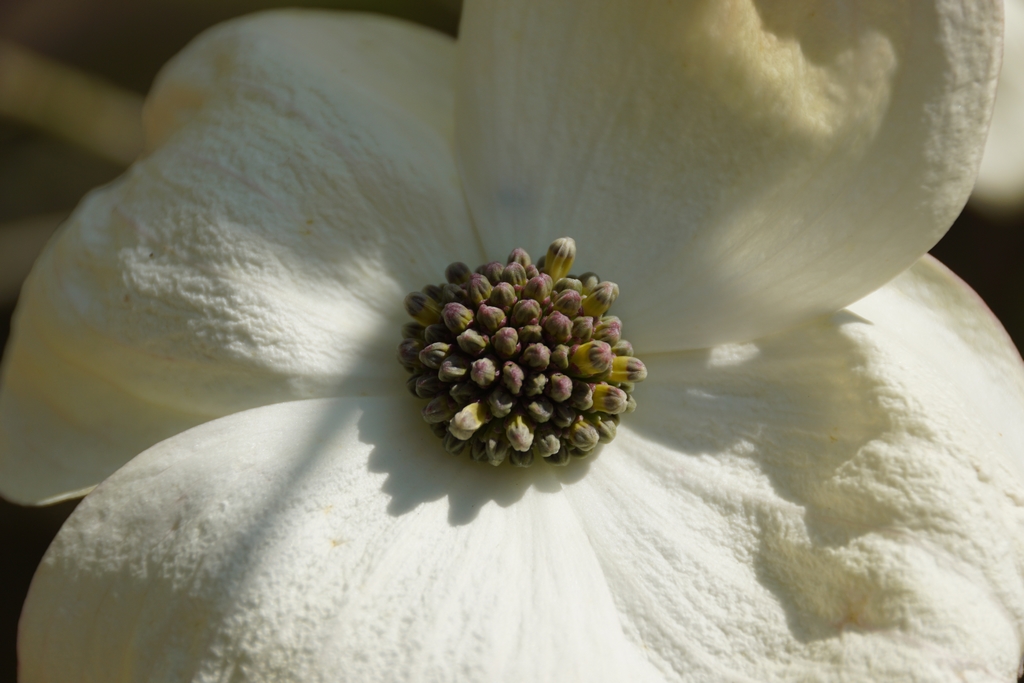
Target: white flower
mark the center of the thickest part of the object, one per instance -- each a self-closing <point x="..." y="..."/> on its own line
<point x="1000" y="186"/>
<point x="838" y="499"/>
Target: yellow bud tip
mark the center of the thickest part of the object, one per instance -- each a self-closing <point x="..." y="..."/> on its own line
<point x="559" y="259"/>
<point x="468" y="420"/>
<point x="627" y="369"/>
<point x="593" y="358"/>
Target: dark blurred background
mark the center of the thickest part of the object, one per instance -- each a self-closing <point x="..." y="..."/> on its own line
<point x="42" y="177"/>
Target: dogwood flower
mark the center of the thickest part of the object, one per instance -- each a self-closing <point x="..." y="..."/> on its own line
<point x="802" y="493"/>
<point x="1000" y="185"/>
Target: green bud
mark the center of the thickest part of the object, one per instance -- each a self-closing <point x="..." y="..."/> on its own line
<point x="438" y="333"/>
<point x="457" y="273"/>
<point x="429" y="386"/>
<point x="560" y="357"/>
<point x="520" y="459"/>
<point x="567" y="303"/>
<point x="495" y="445"/>
<point x="506" y="342"/>
<point x="559" y="387"/>
<point x="605" y="428"/>
<point x="519" y="256"/>
<point x="478" y="288"/>
<point x="410" y="384"/>
<point x="412" y="330"/>
<point x="422" y="308"/>
<point x="501" y="401"/>
<point x="545" y="442"/>
<point x="534" y="384"/>
<point x="530" y="334"/>
<point x="409" y="354"/>
<point x="600" y="299"/>
<point x="519" y="431"/>
<point x="464" y="392"/>
<point x="582" y="397"/>
<point x="454" y="294"/>
<point x="538" y="288"/>
<point x="514" y="274"/>
<point x="453" y="444"/>
<point x="559" y="459"/>
<point x="583" y="328"/>
<point x="473" y="343"/>
<point x="630" y="404"/>
<point x="583" y="435"/>
<point x="453" y="369"/>
<point x="526" y="312"/>
<point x="564" y="415"/>
<point x="456" y="317"/>
<point x="503" y="295"/>
<point x="558" y="327"/>
<point x="622" y="348"/>
<point x="589" y="281"/>
<point x="559" y="259"/>
<point x="490" y="318"/>
<point x="540" y="409"/>
<point x="609" y="330"/>
<point x="484" y="372"/>
<point x="440" y="409"/>
<point x="536" y="356"/>
<point x="434" y="354"/>
<point x="512" y="376"/>
<point x="492" y="271"/>
<point x="569" y="283"/>
<point x="433" y="291"/>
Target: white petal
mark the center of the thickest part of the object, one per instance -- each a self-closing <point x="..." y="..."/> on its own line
<point x="322" y="541"/>
<point x="737" y="166"/>
<point x="843" y="501"/>
<point x="300" y="182"/>
<point x="1000" y="183"/>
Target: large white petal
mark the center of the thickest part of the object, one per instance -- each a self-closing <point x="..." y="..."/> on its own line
<point x="844" y="501"/>
<point x="299" y="181"/>
<point x="738" y="166"/>
<point x="1000" y="185"/>
<point x="325" y="540"/>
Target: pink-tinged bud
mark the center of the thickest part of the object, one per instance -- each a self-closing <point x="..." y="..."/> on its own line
<point x="592" y="358"/>
<point x="609" y="399"/>
<point x="503" y="295"/>
<point x="534" y="383"/>
<point x="422" y="308"/>
<point x="453" y="369"/>
<point x="456" y="317"/>
<point x="409" y="354"/>
<point x="519" y="431"/>
<point x="600" y="299"/>
<point x="622" y="348"/>
<point x="530" y="334"/>
<point x="492" y="271"/>
<point x="609" y="330"/>
<point x="568" y="283"/>
<point x="526" y="312"/>
<point x="490" y="318"/>
<point x="472" y="343"/>
<point x="441" y="409"/>
<point x="583" y="328"/>
<point x="545" y="442"/>
<point x="514" y="274"/>
<point x="484" y="372"/>
<point x="506" y="342"/>
<point x="560" y="357"/>
<point x="519" y="256"/>
<point x="512" y="376"/>
<point x="457" y="273"/>
<point x="538" y="288"/>
<point x="501" y="402"/>
<point x="539" y="409"/>
<point x="567" y="303"/>
<point x="627" y="369"/>
<point x="558" y="327"/>
<point x="559" y="387"/>
<point x="434" y="354"/>
<point x="532" y="272"/>
<point x="536" y="356"/>
<point x="478" y="288"/>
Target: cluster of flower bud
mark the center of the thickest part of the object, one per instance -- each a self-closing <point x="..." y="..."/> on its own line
<point x="520" y="361"/>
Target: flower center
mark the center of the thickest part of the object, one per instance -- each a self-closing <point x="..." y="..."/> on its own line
<point x="520" y="361"/>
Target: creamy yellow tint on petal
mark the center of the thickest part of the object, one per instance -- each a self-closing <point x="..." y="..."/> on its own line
<point x="299" y="181"/>
<point x="736" y="166"/>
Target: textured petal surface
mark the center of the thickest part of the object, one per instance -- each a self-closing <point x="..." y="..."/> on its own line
<point x="738" y="166"/>
<point x="299" y="181"/>
<point x="1001" y="176"/>
<point x="843" y="501"/>
<point x="838" y="502"/>
<point x="324" y="540"/>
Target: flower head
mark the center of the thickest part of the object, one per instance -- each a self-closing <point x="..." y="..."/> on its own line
<point x="806" y="493"/>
